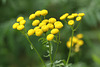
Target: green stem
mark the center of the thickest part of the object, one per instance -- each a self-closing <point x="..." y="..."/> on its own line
<point x="34" y="48"/>
<point x="50" y="55"/>
<point x="71" y="46"/>
<point x="55" y="53"/>
<point x="77" y="26"/>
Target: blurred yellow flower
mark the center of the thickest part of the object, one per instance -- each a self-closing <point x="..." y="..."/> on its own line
<point x="79" y="36"/>
<point x="32" y="16"/>
<point x="80" y="42"/>
<point x="52" y="20"/>
<point x="20" y="27"/>
<point x="54" y="31"/>
<point x="20" y="18"/>
<point x="70" y="22"/>
<point x="45" y="28"/>
<point x="75" y="39"/>
<point x="50" y="37"/>
<point x="78" y="18"/>
<point x="22" y="22"/>
<point x="81" y="14"/>
<point x="35" y="22"/>
<point x="58" y="24"/>
<point x="15" y="25"/>
<point x="44" y="12"/>
<point x="30" y="32"/>
<point x="38" y="13"/>
<point x="36" y="28"/>
<point x="68" y="44"/>
<point x="74" y="14"/>
<point x="70" y="17"/>
<point x="64" y="16"/>
<point x="41" y="24"/>
<point x="38" y="32"/>
<point x="45" y="21"/>
<point x="50" y="25"/>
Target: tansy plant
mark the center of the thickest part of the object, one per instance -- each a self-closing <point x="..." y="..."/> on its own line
<point x="49" y="30"/>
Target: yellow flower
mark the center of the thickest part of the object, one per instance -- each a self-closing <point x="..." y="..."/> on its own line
<point x="79" y="36"/>
<point x="76" y="49"/>
<point x="38" y="32"/>
<point x="64" y="16"/>
<point x="32" y="16"/>
<point x="30" y="32"/>
<point x="36" y="28"/>
<point x="68" y="44"/>
<point x="50" y="37"/>
<point x="52" y="20"/>
<point x="74" y="14"/>
<point x="70" y="17"/>
<point x="35" y="22"/>
<point x="20" y="27"/>
<point x="45" y="28"/>
<point x="78" y="18"/>
<point x="50" y="25"/>
<point x="45" y="21"/>
<point x="81" y="14"/>
<point x="74" y="39"/>
<point x="15" y="25"/>
<point x="58" y="24"/>
<point x="38" y="13"/>
<point x="22" y="22"/>
<point x="41" y="24"/>
<point x="44" y="12"/>
<point x="70" y="22"/>
<point x="80" y="42"/>
<point x="20" y="18"/>
<point x="54" y="31"/>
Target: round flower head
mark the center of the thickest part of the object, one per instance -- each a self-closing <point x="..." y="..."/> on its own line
<point x="22" y="22"/>
<point x="20" y="27"/>
<point x="15" y="25"/>
<point x="38" y="13"/>
<point x="78" y="18"/>
<point x="74" y="39"/>
<point x="50" y="37"/>
<point x="52" y="20"/>
<point x="36" y="28"/>
<point x="74" y="14"/>
<point x="79" y="36"/>
<point x="64" y="16"/>
<point x="20" y="18"/>
<point x="45" y="21"/>
<point x="54" y="31"/>
<point x="69" y="44"/>
<point x="45" y="28"/>
<point x="41" y="24"/>
<point x="81" y="14"/>
<point x="50" y="25"/>
<point x="32" y="16"/>
<point x="44" y="12"/>
<point x="35" y="22"/>
<point x="76" y="50"/>
<point x="70" y="17"/>
<point x="30" y="32"/>
<point x="58" y="24"/>
<point x="70" y="22"/>
<point x="80" y="42"/>
<point x="38" y="32"/>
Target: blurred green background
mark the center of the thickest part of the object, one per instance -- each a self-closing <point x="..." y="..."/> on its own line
<point x="14" y="48"/>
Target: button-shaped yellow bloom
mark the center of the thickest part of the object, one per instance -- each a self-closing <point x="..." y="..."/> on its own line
<point x="80" y="42"/>
<point x="54" y="31"/>
<point x="45" y="28"/>
<point x="35" y="22"/>
<point x="45" y="21"/>
<point x="20" y="18"/>
<point x="50" y="37"/>
<point x="15" y="25"/>
<point x="44" y="12"/>
<point x="58" y="24"/>
<point x="81" y="14"/>
<point x="20" y="27"/>
<point x="38" y="13"/>
<point x="36" y="28"/>
<point x="64" y="16"/>
<point x="68" y="44"/>
<point x="32" y="16"/>
<point x="78" y="18"/>
<point x="41" y="24"/>
<point x="50" y="25"/>
<point x="76" y="49"/>
<point x="52" y="20"/>
<point x="70" y="17"/>
<point x="22" y="22"/>
<point x="70" y="22"/>
<point x="30" y="32"/>
<point x="75" y="39"/>
<point x="79" y="35"/>
<point x="38" y="32"/>
<point x="74" y="14"/>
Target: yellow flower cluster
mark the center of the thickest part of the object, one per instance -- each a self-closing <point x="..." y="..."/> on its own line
<point x="71" y="17"/>
<point x="76" y="41"/>
<point x="19" y="25"/>
<point x="45" y="25"/>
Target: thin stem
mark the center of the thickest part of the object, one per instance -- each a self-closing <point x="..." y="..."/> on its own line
<point x="34" y="48"/>
<point x="55" y="53"/>
<point x="50" y="54"/>
<point x="77" y="26"/>
<point x="71" y="46"/>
